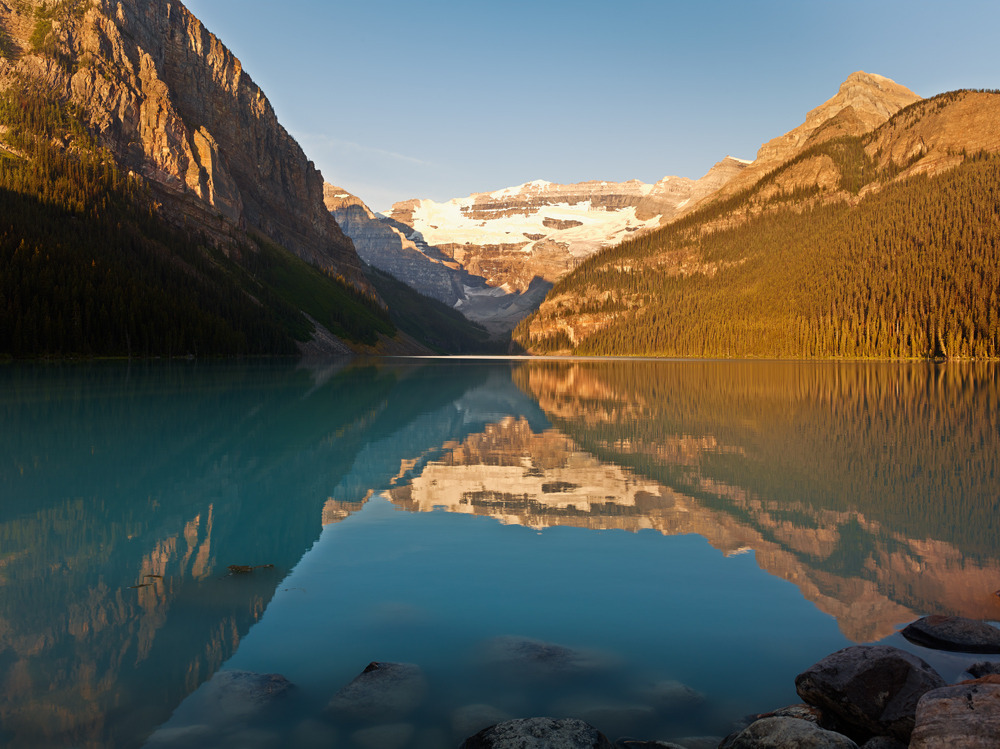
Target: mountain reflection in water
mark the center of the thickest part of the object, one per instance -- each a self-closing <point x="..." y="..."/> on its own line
<point x="127" y="491"/>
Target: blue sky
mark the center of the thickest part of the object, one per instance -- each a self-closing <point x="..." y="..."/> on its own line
<point x="434" y="99"/>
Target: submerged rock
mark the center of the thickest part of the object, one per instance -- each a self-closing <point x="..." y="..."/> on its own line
<point x="539" y="733"/>
<point x="873" y="689"/>
<point x="984" y="668"/>
<point x="469" y="719"/>
<point x="221" y="706"/>
<point x="639" y="744"/>
<point x="382" y="692"/>
<point x="536" y="658"/>
<point x="954" y="633"/>
<point x="389" y="736"/>
<point x="960" y="717"/>
<point x="785" y="733"/>
<point x="672" y="696"/>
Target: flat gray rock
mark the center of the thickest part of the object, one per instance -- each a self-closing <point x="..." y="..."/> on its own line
<point x="874" y="690"/>
<point x="786" y="733"/>
<point x="539" y="733"/>
<point x="954" y="633"/>
<point x="383" y="692"/>
<point x="469" y="719"/>
<point x="966" y="716"/>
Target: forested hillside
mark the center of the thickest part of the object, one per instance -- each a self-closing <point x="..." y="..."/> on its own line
<point x="88" y="267"/>
<point x="853" y="262"/>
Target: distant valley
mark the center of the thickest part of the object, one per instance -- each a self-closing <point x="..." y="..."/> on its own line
<point x="493" y="256"/>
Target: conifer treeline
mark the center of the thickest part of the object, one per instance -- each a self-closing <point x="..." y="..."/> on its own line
<point x="911" y="271"/>
<point x="87" y="267"/>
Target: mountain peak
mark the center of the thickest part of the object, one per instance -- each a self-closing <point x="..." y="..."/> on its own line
<point x="874" y="98"/>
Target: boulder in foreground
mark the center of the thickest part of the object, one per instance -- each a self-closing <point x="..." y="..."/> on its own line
<point x="966" y="716"/>
<point x="874" y="690"/>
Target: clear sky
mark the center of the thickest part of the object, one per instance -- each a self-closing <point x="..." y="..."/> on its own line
<point x="397" y="99"/>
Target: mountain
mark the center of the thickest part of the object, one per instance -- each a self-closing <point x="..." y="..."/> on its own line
<point x="864" y="102"/>
<point x="494" y="255"/>
<point x="143" y="93"/>
<point x="870" y="233"/>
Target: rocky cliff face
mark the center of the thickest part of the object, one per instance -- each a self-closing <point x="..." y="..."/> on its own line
<point x="864" y="102"/>
<point x="174" y="105"/>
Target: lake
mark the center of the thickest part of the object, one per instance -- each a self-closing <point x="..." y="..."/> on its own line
<point x="658" y="547"/>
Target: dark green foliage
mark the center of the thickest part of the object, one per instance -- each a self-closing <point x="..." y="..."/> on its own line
<point x="342" y="310"/>
<point x="7" y="47"/>
<point x="88" y="268"/>
<point x="911" y="271"/>
<point x="431" y="322"/>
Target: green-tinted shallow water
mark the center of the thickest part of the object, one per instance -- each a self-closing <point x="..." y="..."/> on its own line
<point x="717" y="525"/>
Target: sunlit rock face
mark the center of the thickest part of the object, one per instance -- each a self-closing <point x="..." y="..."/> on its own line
<point x="863" y="102"/>
<point x="173" y="104"/>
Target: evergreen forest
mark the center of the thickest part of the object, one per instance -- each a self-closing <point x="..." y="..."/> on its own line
<point x="911" y="270"/>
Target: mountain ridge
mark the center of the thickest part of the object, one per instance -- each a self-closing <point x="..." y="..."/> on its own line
<point x="748" y="274"/>
<point x="167" y="107"/>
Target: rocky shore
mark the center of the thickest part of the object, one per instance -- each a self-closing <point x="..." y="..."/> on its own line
<point x="865" y="696"/>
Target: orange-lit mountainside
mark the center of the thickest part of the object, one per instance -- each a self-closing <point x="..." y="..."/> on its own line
<point x="153" y="204"/>
<point x="869" y="231"/>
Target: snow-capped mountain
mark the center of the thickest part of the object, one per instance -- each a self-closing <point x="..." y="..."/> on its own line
<point x="540" y="229"/>
<point x="494" y="255"/>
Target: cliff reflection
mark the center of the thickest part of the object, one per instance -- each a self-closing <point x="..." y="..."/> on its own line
<point x="127" y="491"/>
<point x="874" y="488"/>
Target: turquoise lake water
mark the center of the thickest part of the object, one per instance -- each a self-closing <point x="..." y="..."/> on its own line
<point x="670" y="543"/>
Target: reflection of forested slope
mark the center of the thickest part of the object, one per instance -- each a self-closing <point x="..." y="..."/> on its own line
<point x="912" y="447"/>
<point x="111" y="474"/>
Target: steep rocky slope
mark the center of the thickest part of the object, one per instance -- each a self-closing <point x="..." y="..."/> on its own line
<point x="177" y="112"/>
<point x="398" y="250"/>
<point x="173" y="104"/>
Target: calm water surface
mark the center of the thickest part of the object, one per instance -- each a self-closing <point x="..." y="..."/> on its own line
<point x="669" y="543"/>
